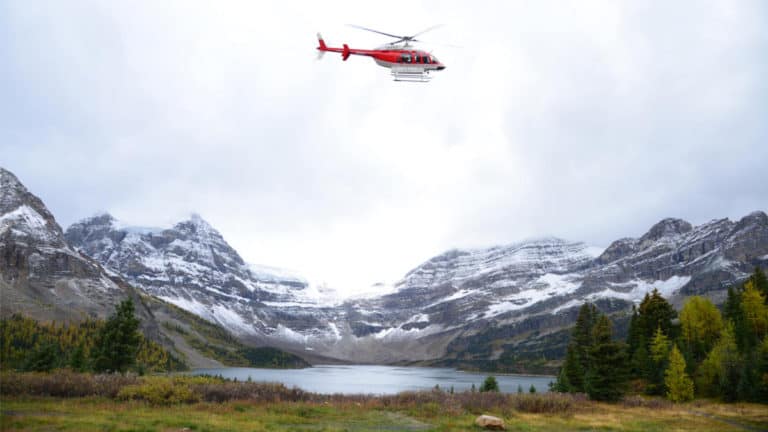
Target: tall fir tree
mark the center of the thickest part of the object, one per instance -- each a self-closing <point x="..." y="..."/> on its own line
<point x="634" y="337"/>
<point x="572" y="373"/>
<point x="760" y="281"/>
<point x="656" y="312"/>
<point x="118" y="341"/>
<point x="582" y="337"/>
<point x="606" y="378"/>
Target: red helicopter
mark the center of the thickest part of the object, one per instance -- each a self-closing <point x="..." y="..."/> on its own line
<point x="405" y="62"/>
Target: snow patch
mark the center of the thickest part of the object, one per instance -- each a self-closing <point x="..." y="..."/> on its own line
<point x="665" y="287"/>
<point x="231" y="320"/>
<point x="26" y="221"/>
<point x="554" y="285"/>
<point x="190" y="306"/>
<point x="334" y="330"/>
<point x="399" y="333"/>
<point x="567" y="305"/>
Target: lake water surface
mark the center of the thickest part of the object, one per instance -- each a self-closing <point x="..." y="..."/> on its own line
<point x="355" y="379"/>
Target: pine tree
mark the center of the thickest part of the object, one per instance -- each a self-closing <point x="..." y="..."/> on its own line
<point x="562" y="384"/>
<point x="118" y="341"/>
<point x="490" y="385"/>
<point x="77" y="359"/>
<point x="607" y="375"/>
<point x="634" y="339"/>
<point x="43" y="358"/>
<point x="678" y="383"/>
<point x="572" y="371"/>
<point x="582" y="337"/>
<point x="760" y="281"/>
<point x="762" y="371"/>
<point x="656" y="312"/>
<point x="640" y="361"/>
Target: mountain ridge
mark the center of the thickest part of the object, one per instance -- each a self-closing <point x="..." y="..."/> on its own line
<point x="466" y="294"/>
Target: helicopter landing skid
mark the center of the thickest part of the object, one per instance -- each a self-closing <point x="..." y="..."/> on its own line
<point x="410" y="74"/>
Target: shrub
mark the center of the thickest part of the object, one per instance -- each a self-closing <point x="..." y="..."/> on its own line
<point x="160" y="392"/>
<point x="63" y="383"/>
<point x="551" y="403"/>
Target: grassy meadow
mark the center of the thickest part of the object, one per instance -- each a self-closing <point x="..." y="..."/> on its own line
<point x="80" y="402"/>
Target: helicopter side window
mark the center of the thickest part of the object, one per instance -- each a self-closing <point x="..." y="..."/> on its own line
<point x="406" y="58"/>
<point x="425" y="59"/>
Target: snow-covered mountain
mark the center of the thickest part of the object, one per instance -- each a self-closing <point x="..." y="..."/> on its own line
<point x="192" y="266"/>
<point x="40" y="274"/>
<point x="43" y="277"/>
<point x="463" y="306"/>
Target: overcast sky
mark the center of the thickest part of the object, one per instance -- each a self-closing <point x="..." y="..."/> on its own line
<point x="585" y="120"/>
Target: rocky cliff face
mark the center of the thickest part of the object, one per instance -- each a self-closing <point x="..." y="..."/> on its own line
<point x="40" y="274"/>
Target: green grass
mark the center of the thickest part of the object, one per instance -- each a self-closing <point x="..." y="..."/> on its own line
<point x="100" y="414"/>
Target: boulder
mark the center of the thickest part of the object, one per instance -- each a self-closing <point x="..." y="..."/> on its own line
<point x="490" y="422"/>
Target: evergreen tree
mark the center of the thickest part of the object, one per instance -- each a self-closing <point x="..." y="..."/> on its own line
<point x="678" y="383"/>
<point x="532" y="389"/>
<point x="762" y="371"/>
<point x="656" y="312"/>
<point x="43" y="358"/>
<point x="640" y="361"/>
<point x="572" y="371"/>
<point x="77" y="359"/>
<point x="732" y="306"/>
<point x="607" y="375"/>
<point x="635" y="340"/>
<point x="562" y="384"/>
<point x="118" y="341"/>
<point x="582" y="337"/>
<point x="760" y="282"/>
<point x="490" y="385"/>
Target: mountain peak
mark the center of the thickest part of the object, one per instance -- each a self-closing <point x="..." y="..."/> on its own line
<point x="666" y="228"/>
<point x="25" y="212"/>
<point x="757" y="216"/>
<point x="197" y="226"/>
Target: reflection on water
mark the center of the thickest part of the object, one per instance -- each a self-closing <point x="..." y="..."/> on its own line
<point x="378" y="379"/>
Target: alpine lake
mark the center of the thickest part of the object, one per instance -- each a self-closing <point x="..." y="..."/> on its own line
<point x="377" y="380"/>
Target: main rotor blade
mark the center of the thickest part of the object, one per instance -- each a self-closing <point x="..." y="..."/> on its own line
<point x="424" y="31"/>
<point x="440" y="44"/>
<point x="376" y="31"/>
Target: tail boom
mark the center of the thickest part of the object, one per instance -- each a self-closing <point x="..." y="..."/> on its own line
<point x="345" y="51"/>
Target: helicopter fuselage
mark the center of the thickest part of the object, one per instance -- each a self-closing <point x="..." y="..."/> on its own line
<point x="406" y="64"/>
